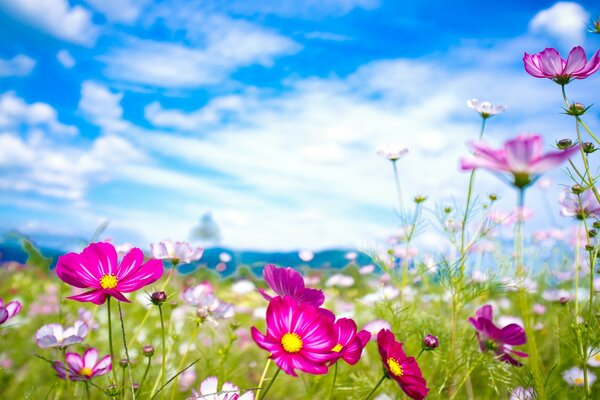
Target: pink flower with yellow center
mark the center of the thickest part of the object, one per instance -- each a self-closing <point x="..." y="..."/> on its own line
<point x="299" y="336"/>
<point x="404" y="370"/>
<point x="287" y="282"/>
<point x="97" y="268"/>
<point x="350" y="344"/>
<point x="83" y="368"/>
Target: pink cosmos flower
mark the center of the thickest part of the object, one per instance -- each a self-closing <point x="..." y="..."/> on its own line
<point x="9" y="310"/>
<point x="299" y="336"/>
<point x="287" y="282"/>
<point x="404" y="370"/>
<point x="500" y="341"/>
<point x="97" y="268"/>
<point x="209" y="390"/>
<point x="178" y="252"/>
<point x="549" y="64"/>
<point x="570" y="207"/>
<point x="522" y="157"/>
<point x="350" y="344"/>
<point x="83" y="368"/>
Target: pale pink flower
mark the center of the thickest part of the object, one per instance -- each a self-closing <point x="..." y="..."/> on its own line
<point x="549" y="64"/>
<point x="177" y="253"/>
<point x="392" y="152"/>
<point x="485" y="108"/>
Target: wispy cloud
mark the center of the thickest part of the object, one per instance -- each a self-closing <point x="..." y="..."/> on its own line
<point x="566" y="21"/>
<point x="123" y="11"/>
<point x="19" y="65"/>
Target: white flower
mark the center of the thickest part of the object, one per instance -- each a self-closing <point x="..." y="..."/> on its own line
<point x="54" y="335"/>
<point x="392" y="152"/>
<point x="243" y="286"/>
<point x="306" y="255"/>
<point x="178" y="252"/>
<point x="574" y="377"/>
<point x="225" y="257"/>
<point x="340" y="280"/>
<point x="374" y="327"/>
<point x="485" y="108"/>
<point x="594" y="357"/>
<point x="209" y="391"/>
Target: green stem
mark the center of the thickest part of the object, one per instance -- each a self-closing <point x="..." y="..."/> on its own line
<point x="270" y="384"/>
<point x="87" y="391"/>
<point x="262" y="378"/>
<point x="335" y="372"/>
<point x="145" y="374"/>
<point x="398" y="191"/>
<point x="110" y="341"/>
<point x="419" y="355"/>
<point x="164" y="349"/>
<point x="126" y="351"/>
<point x="372" y="392"/>
<point x="182" y="362"/>
<point x="587" y="129"/>
<point x="64" y="354"/>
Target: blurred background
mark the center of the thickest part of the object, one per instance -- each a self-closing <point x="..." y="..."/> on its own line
<point x="254" y="124"/>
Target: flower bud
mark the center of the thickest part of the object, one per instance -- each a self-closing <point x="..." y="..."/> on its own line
<point x="113" y="390"/>
<point x="148" y="350"/>
<point x="576" y="109"/>
<point x="563" y="300"/>
<point x="158" y="298"/>
<point x="577" y="189"/>
<point x="588" y="147"/>
<point x="596" y="224"/>
<point x="448" y="210"/>
<point x="430" y="342"/>
<point x="564" y="143"/>
<point x="493" y="197"/>
<point x="123" y="362"/>
<point x="589" y="247"/>
<point x="592" y="233"/>
<point x="420" y="199"/>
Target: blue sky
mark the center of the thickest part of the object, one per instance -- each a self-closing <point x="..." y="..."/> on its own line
<point x="265" y="113"/>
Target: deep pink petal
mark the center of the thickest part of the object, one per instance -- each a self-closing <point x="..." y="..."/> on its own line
<point x="72" y="269"/>
<point x="513" y="335"/>
<point x="13" y="308"/>
<point x="146" y="274"/>
<point x="283" y="281"/>
<point x="591" y="67"/>
<point x="117" y="295"/>
<point x="486" y="312"/>
<point x="130" y="263"/>
<point x="96" y="296"/>
<point x="552" y="160"/>
<point x="551" y="62"/>
<point x="576" y="61"/>
<point x="102" y="257"/>
<point x="532" y="66"/>
<point x="102" y="367"/>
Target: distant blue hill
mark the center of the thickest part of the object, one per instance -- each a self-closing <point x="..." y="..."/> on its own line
<point x="12" y="250"/>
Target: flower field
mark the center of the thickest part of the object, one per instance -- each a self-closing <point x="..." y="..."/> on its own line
<point x="499" y="314"/>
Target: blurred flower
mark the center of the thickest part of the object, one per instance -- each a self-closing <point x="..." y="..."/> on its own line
<point x="209" y="391"/>
<point x="544" y="183"/>
<point x="87" y="318"/>
<point x="287" y="282"/>
<point x="539" y="309"/>
<point x="351" y="256"/>
<point x="522" y="157"/>
<point x="45" y="303"/>
<point x="366" y="269"/>
<point x="54" y="335"/>
<point x="520" y="214"/>
<point x="350" y="344"/>
<point x="392" y="152"/>
<point x="225" y="257"/>
<point x="83" y="368"/>
<point x="555" y="294"/>
<point x="299" y="336"/>
<point x="570" y="207"/>
<point x="485" y="108"/>
<point x="520" y="393"/>
<point x="549" y="64"/>
<point x="9" y="310"/>
<point x="208" y="307"/>
<point x="306" y="255"/>
<point x="340" y="280"/>
<point x="97" y="267"/>
<point x="375" y="326"/>
<point x="574" y="377"/>
<point x="404" y="370"/>
<point x="243" y="286"/>
<point x="187" y="379"/>
<point x="178" y="252"/>
<point x="500" y="341"/>
<point x="594" y="357"/>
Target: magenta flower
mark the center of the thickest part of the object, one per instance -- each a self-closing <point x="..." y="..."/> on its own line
<point x="500" y="341"/>
<point x="570" y="207"/>
<point x="549" y="64"/>
<point x="350" y="344"/>
<point x="299" y="336"/>
<point x="97" y="268"/>
<point x="9" y="310"/>
<point x="287" y="282"/>
<point x="404" y="370"/>
<point x="82" y="368"/>
<point x="522" y="157"/>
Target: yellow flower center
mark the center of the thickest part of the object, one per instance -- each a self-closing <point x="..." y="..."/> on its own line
<point x="337" y="348"/>
<point x="579" y="381"/>
<point x="597" y="357"/>
<point x="108" y="281"/>
<point x="395" y="367"/>
<point x="85" y="372"/>
<point x="291" y="342"/>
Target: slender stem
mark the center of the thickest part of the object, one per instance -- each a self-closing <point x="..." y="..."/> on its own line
<point x="398" y="190"/>
<point x="64" y="354"/>
<point x="419" y="355"/>
<point x="175" y="376"/>
<point x="87" y="390"/>
<point x="145" y="375"/>
<point x="164" y="349"/>
<point x="372" y="392"/>
<point x="110" y="341"/>
<point x="182" y="362"/>
<point x="587" y="129"/>
<point x="126" y="351"/>
<point x="585" y="343"/>
<point x="335" y="372"/>
<point x="262" y="378"/>
<point x="270" y="384"/>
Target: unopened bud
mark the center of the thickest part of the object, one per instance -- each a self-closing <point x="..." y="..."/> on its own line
<point x="123" y="362"/>
<point x="563" y="300"/>
<point x="158" y="298"/>
<point x="447" y="210"/>
<point x="577" y="189"/>
<point x="420" y="199"/>
<point x="148" y="350"/>
<point x="596" y="224"/>
<point x="564" y="143"/>
<point x="493" y="197"/>
<point x="588" y="147"/>
<point x="576" y="109"/>
<point x="592" y="233"/>
<point x="430" y="342"/>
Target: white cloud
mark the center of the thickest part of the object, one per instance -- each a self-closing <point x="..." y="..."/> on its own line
<point x="101" y="106"/>
<point x="566" y="21"/>
<point x="227" y="45"/>
<point x="304" y="9"/>
<point x="65" y="58"/>
<point x="56" y="17"/>
<point x="19" y="65"/>
<point x="125" y="11"/>
<point x="15" y="112"/>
